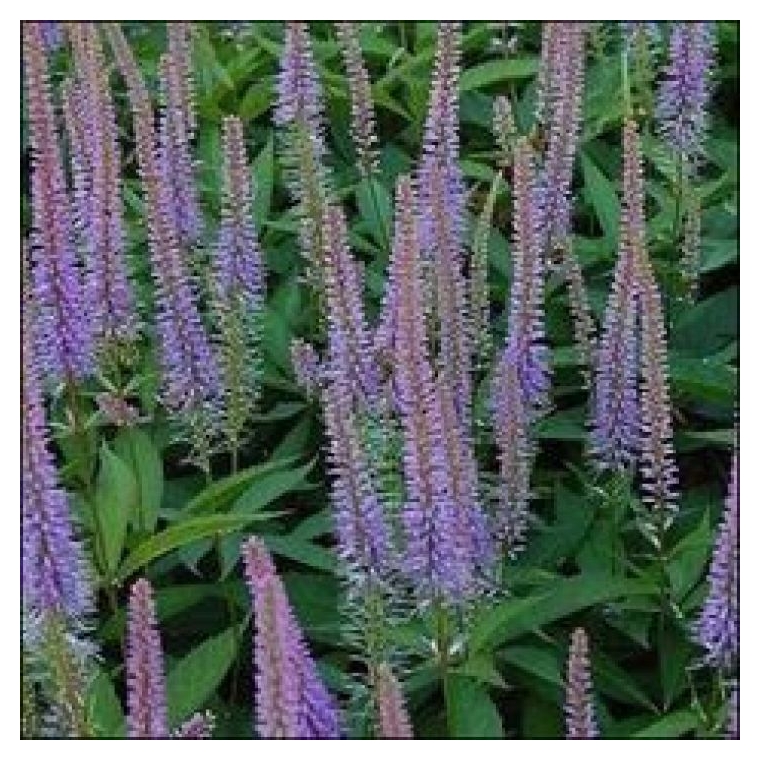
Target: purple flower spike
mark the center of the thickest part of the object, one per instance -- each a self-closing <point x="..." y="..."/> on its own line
<point x="717" y="629"/>
<point x="526" y="338"/>
<point x="238" y="285"/>
<point x="179" y="37"/>
<point x="579" y="702"/>
<point x="199" y="726"/>
<point x="190" y="375"/>
<point x="291" y="701"/>
<point x="441" y="205"/>
<point x="146" y="687"/>
<point x="96" y="166"/>
<point x="350" y="359"/>
<point x="54" y="578"/>
<point x="392" y="718"/>
<point x="64" y="332"/>
<point x="510" y="423"/>
<point x="616" y="420"/>
<point x="299" y="116"/>
<point x="174" y="153"/>
<point x="563" y="72"/>
<point x="306" y="366"/>
<point x="436" y="558"/>
<point x="684" y="92"/>
<point x="363" y="536"/>
<point x="362" y="112"/>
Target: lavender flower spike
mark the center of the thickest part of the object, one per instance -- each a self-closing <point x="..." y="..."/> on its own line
<point x="291" y="701"/>
<point x="616" y="418"/>
<point x="238" y="286"/>
<point x="97" y="181"/>
<point x="362" y="112"/>
<point x="717" y="629"/>
<point x="526" y="338"/>
<point x="54" y="579"/>
<point x="684" y="92"/>
<point x="65" y="336"/>
<point x="732" y="721"/>
<point x="306" y="366"/>
<point x="146" y="688"/>
<point x="434" y="557"/>
<point x="392" y="718"/>
<point x="510" y="424"/>
<point x="199" y="726"/>
<point x="190" y="375"/>
<point x="363" y="536"/>
<point x="579" y="701"/>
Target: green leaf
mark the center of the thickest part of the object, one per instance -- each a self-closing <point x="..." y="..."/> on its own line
<point x="687" y="560"/>
<point x="600" y="193"/>
<point x="540" y="661"/>
<point x="374" y="204"/>
<point x="709" y="325"/>
<point x="222" y="494"/>
<point x="493" y="72"/>
<point x="136" y="447"/>
<point x="302" y="551"/>
<point x="471" y="713"/>
<point x="184" y="533"/>
<point x="104" y="708"/>
<point x="193" y="680"/>
<point x="271" y="486"/>
<point x="515" y="617"/>
<point x="116" y="500"/>
<point x="263" y="175"/>
<point x="670" y="726"/>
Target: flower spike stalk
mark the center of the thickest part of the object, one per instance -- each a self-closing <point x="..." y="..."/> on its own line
<point x="362" y="111"/>
<point x="392" y="717"/>
<point x="238" y="284"/>
<point x="291" y="701"/>
<point x="146" y="687"/>
<point x="64" y="329"/>
<point x="717" y="628"/>
<point x="579" y="701"/>
<point x="190" y="377"/>
<point x="526" y="338"/>
<point x="96" y="165"/>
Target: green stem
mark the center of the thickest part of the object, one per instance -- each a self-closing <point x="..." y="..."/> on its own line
<point x="442" y="643"/>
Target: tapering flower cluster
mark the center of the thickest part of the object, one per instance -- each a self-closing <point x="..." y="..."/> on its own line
<point x="53" y="574"/>
<point x="440" y="533"/>
<point x="684" y="92"/>
<point x="64" y="332"/>
<point x="238" y="274"/>
<point x="362" y="110"/>
<point x="511" y="431"/>
<point x="615" y="428"/>
<point x="299" y="115"/>
<point x="175" y="136"/>
<point x="392" y="718"/>
<point x="190" y="376"/>
<point x="306" y="366"/>
<point x="526" y="339"/>
<point x="350" y="358"/>
<point x="504" y="128"/>
<point x="363" y="536"/>
<point x="717" y="629"/>
<point x="580" y="715"/>
<point x="146" y="686"/>
<point x="561" y="101"/>
<point x="291" y="701"/>
<point x="179" y="38"/>
<point x="659" y="473"/>
<point x="199" y="726"/>
<point x="94" y="149"/>
<point x="441" y="205"/>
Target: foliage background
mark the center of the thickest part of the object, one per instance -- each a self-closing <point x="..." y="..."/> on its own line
<point x="585" y="564"/>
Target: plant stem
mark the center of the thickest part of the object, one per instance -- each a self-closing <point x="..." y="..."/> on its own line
<point x="442" y="644"/>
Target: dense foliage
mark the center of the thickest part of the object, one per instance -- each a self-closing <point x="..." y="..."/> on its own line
<point x="414" y="385"/>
